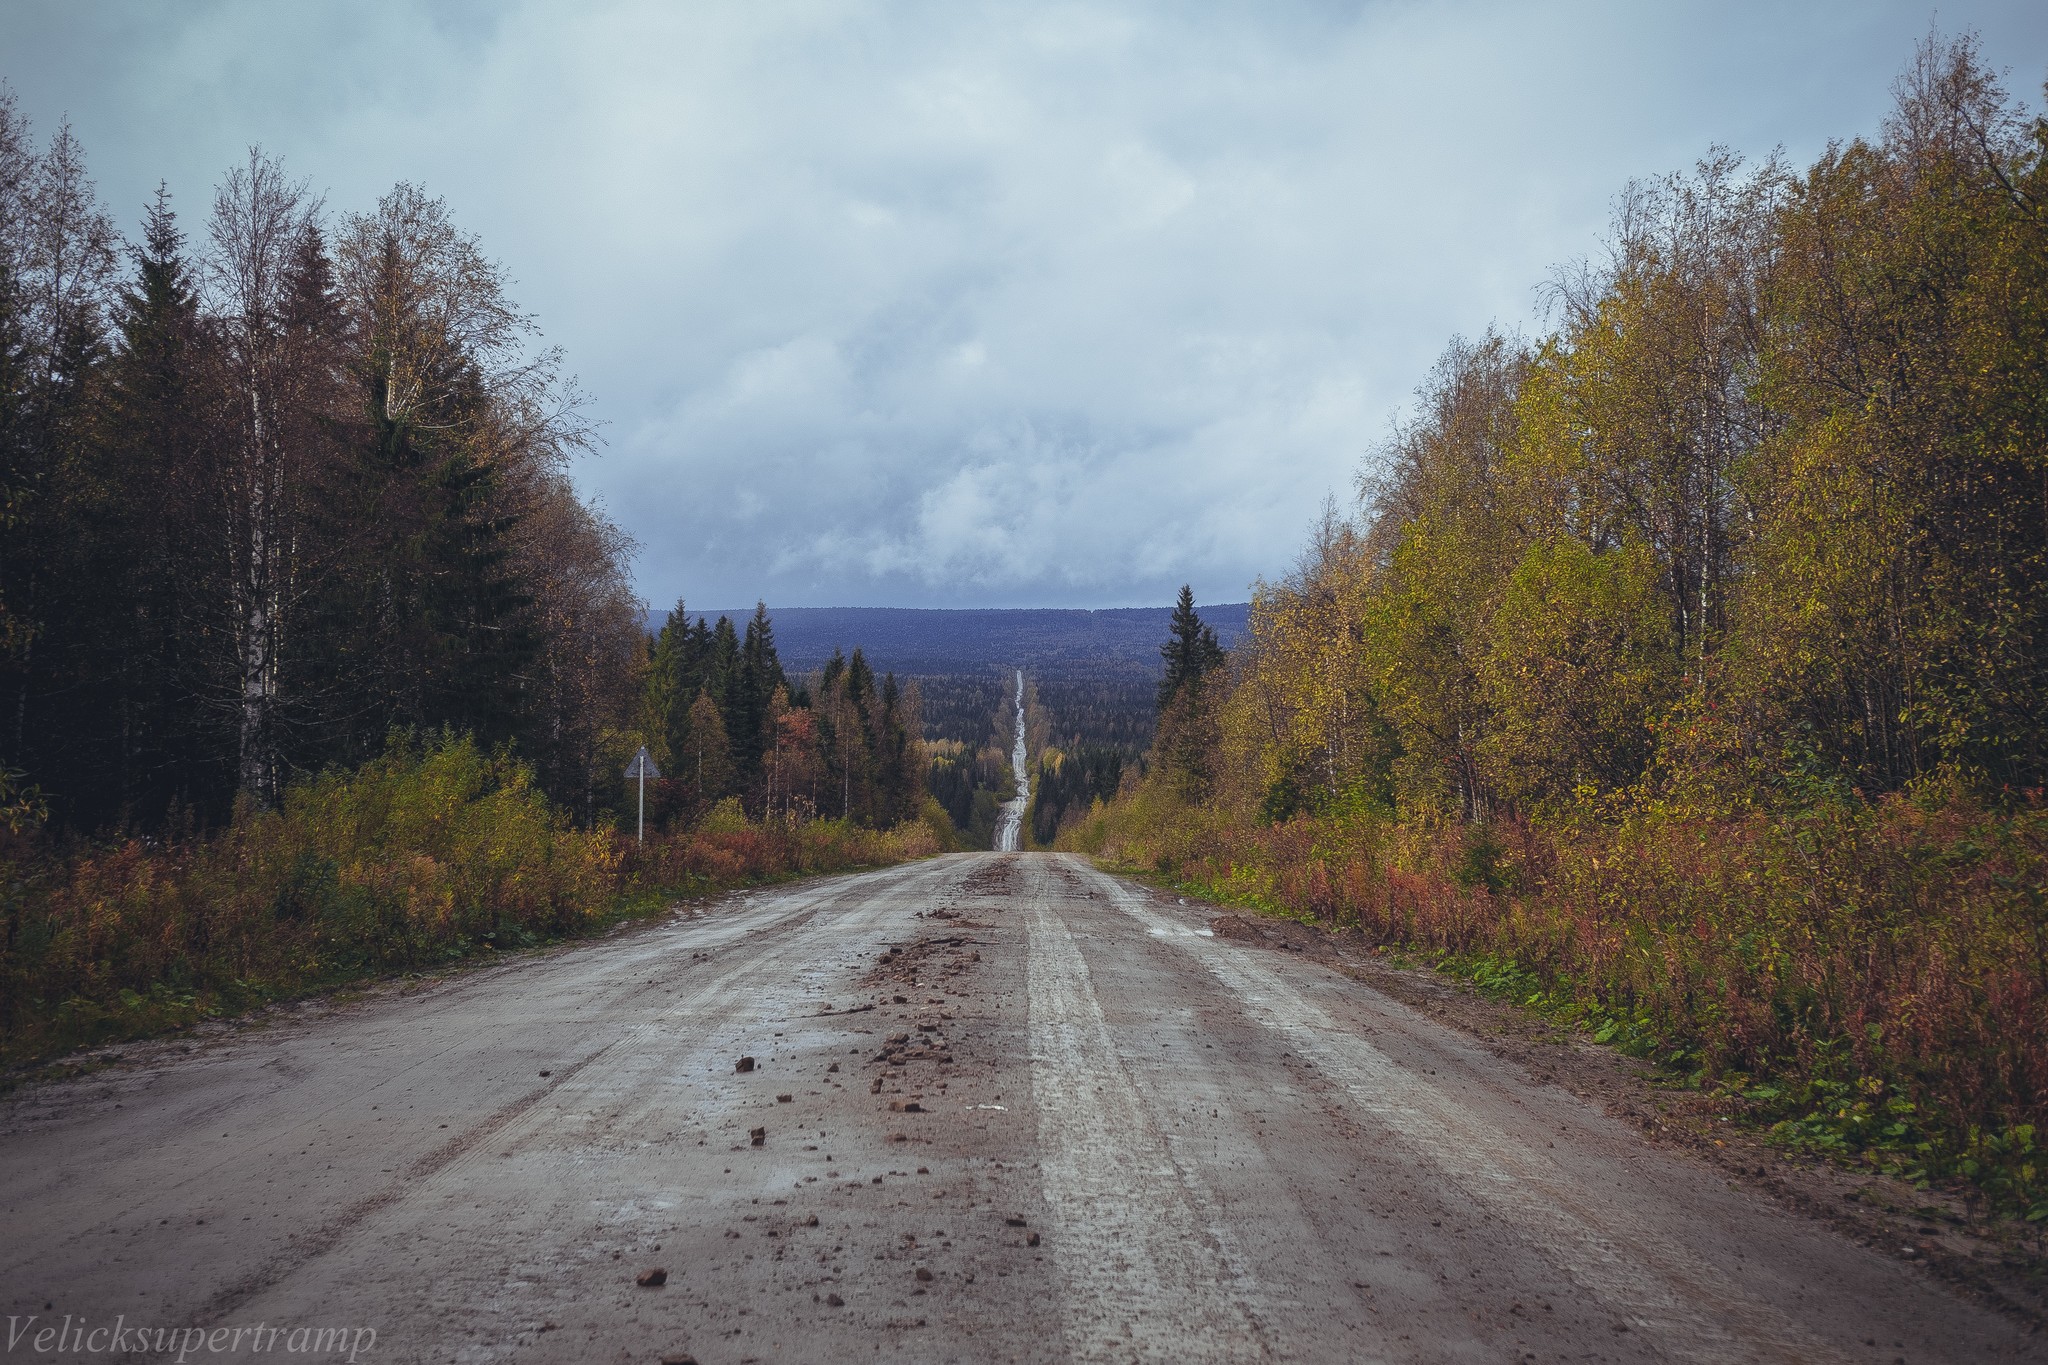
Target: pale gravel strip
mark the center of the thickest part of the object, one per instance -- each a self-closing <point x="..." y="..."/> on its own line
<point x="1633" y="1269"/>
<point x="1275" y="1312"/>
<point x="1143" y="1277"/>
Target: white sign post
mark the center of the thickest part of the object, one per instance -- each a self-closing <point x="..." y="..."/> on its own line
<point x="642" y="767"/>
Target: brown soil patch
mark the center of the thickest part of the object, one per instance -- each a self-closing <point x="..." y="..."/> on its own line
<point x="996" y="877"/>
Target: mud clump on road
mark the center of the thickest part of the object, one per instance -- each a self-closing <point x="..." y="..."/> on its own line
<point x="931" y="966"/>
<point x="953" y="917"/>
<point x="899" y="1049"/>
<point x="939" y="957"/>
<point x="996" y="878"/>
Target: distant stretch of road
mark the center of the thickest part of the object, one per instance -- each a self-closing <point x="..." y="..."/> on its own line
<point x="1010" y="825"/>
<point x="998" y="1107"/>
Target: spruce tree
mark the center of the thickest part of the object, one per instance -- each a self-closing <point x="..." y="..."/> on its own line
<point x="1191" y="652"/>
<point x="696" y="653"/>
<point x="665" y="699"/>
<point x="894" y="799"/>
<point x="722" y="665"/>
<point x="759" y="675"/>
<point x="156" y="578"/>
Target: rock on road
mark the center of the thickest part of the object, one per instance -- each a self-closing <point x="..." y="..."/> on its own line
<point x="1088" y="1130"/>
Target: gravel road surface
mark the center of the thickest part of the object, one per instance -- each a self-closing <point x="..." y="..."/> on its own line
<point x="999" y="1107"/>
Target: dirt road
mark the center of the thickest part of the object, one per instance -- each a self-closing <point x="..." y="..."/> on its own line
<point x="1076" y="1127"/>
<point x="1010" y="821"/>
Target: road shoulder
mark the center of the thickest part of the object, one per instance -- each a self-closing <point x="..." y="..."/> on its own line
<point x="1931" y="1229"/>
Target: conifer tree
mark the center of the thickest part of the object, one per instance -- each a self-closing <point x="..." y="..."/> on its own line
<point x="722" y="665"/>
<point x="156" y="580"/>
<point x="759" y="675"/>
<point x="895" y="799"/>
<point x="1191" y="652"/>
<point x="665" y="698"/>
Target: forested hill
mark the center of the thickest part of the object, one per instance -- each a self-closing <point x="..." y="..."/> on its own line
<point x="1118" y="642"/>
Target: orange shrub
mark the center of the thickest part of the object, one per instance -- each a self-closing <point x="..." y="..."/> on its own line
<point x="1874" y="974"/>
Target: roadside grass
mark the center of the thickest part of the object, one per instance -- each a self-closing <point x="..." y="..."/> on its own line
<point x="433" y="853"/>
<point x="1864" y="981"/>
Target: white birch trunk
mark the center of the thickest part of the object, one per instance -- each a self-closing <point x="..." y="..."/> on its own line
<point x="257" y="682"/>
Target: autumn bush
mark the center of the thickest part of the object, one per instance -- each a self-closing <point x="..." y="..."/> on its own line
<point x="1868" y="976"/>
<point x="434" y="851"/>
<point x="725" y="848"/>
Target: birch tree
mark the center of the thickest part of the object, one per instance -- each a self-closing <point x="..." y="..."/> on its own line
<point x="261" y="222"/>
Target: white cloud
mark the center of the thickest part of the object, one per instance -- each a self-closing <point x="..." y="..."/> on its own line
<point x="934" y="303"/>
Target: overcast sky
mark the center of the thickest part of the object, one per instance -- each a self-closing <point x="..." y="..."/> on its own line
<point x="956" y="304"/>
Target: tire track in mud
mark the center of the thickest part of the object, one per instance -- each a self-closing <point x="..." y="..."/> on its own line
<point x="1655" y="1283"/>
<point x="1142" y="1268"/>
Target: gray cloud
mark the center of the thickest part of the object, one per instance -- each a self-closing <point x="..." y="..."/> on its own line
<point x="977" y="304"/>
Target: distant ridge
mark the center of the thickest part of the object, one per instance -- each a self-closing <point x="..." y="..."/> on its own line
<point x="916" y="640"/>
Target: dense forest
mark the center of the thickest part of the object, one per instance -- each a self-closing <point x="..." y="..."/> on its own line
<point x="969" y="722"/>
<point x="721" y="720"/>
<point x="1686" y="667"/>
<point x="273" y="490"/>
<point x="281" y="489"/>
<point x="1066" y="785"/>
<point x="1099" y="728"/>
<point x="1115" y="712"/>
<point x="968" y="708"/>
<point x="312" y="662"/>
<point x="974" y="642"/>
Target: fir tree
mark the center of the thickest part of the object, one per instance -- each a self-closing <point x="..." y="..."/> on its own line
<point x="895" y="797"/>
<point x="760" y="674"/>
<point x="1191" y="652"/>
<point x="665" y="697"/>
<point x="722" y="666"/>
<point x="155" y="577"/>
